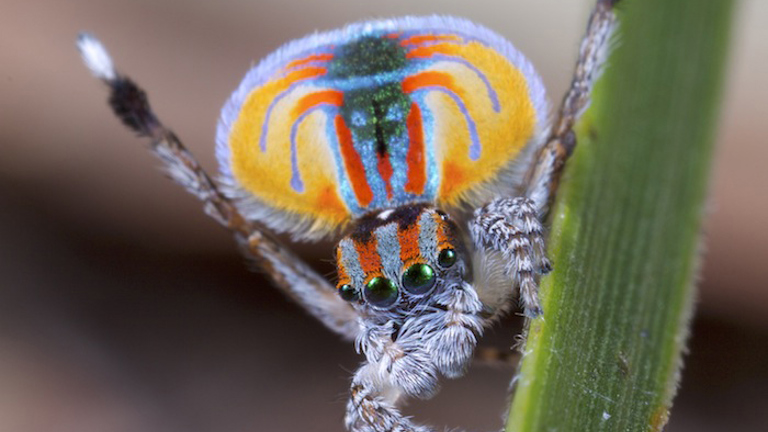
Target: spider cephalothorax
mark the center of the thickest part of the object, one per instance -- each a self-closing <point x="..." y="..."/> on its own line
<point x="396" y="259"/>
<point x="409" y="274"/>
<point x="371" y="129"/>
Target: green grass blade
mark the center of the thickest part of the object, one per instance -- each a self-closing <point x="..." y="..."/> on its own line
<point x="626" y="229"/>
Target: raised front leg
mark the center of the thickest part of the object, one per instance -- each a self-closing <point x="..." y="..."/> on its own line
<point x="286" y="270"/>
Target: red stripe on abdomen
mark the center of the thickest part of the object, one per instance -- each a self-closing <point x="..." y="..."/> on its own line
<point x="308" y="59"/>
<point x="328" y="97"/>
<point x="385" y="171"/>
<point x="421" y="80"/>
<point x="417" y="175"/>
<point x="353" y="164"/>
<point x="419" y="39"/>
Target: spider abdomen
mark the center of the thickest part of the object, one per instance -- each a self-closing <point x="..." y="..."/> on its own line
<point x="378" y="115"/>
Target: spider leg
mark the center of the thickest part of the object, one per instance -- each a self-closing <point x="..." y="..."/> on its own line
<point x="290" y="274"/>
<point x="511" y="226"/>
<point x="458" y="318"/>
<point x="404" y="360"/>
<point x="514" y="226"/>
<point x="395" y="367"/>
<point x="369" y="411"/>
<point x="543" y="179"/>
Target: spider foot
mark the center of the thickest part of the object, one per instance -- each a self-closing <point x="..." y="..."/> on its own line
<point x="369" y="411"/>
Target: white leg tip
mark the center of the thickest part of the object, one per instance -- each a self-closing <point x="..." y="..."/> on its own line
<point x="96" y="57"/>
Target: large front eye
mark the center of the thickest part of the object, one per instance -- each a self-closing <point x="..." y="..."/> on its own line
<point x="418" y="279"/>
<point x="380" y="292"/>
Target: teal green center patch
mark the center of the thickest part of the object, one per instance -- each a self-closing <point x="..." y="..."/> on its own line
<point x="367" y="56"/>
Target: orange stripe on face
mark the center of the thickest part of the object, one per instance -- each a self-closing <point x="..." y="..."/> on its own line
<point x="412" y="83"/>
<point x="330" y="97"/>
<point x="409" y="244"/>
<point x="392" y="35"/>
<point x="417" y="175"/>
<point x="341" y="271"/>
<point x="415" y="40"/>
<point x="353" y="164"/>
<point x="370" y="260"/>
<point x="311" y="58"/>
<point x="385" y="170"/>
<point x="443" y="233"/>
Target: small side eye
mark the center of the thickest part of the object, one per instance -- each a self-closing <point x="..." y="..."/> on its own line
<point x="419" y="279"/>
<point x="446" y="258"/>
<point x="380" y="292"/>
<point x="349" y="293"/>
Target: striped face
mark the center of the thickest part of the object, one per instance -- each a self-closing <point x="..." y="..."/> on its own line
<point x="399" y="255"/>
<point x="374" y="116"/>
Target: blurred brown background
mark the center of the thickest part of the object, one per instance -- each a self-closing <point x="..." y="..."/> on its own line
<point x="123" y="308"/>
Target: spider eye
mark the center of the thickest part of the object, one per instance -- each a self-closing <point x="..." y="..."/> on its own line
<point x="380" y="292"/>
<point x="349" y="293"/>
<point x="446" y="258"/>
<point x="418" y="279"/>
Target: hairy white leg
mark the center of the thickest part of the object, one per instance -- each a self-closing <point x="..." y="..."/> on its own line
<point x="511" y="226"/>
<point x="459" y="325"/>
<point x="393" y="369"/>
<point x="286" y="270"/>
<point x="404" y="360"/>
<point x="368" y="410"/>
